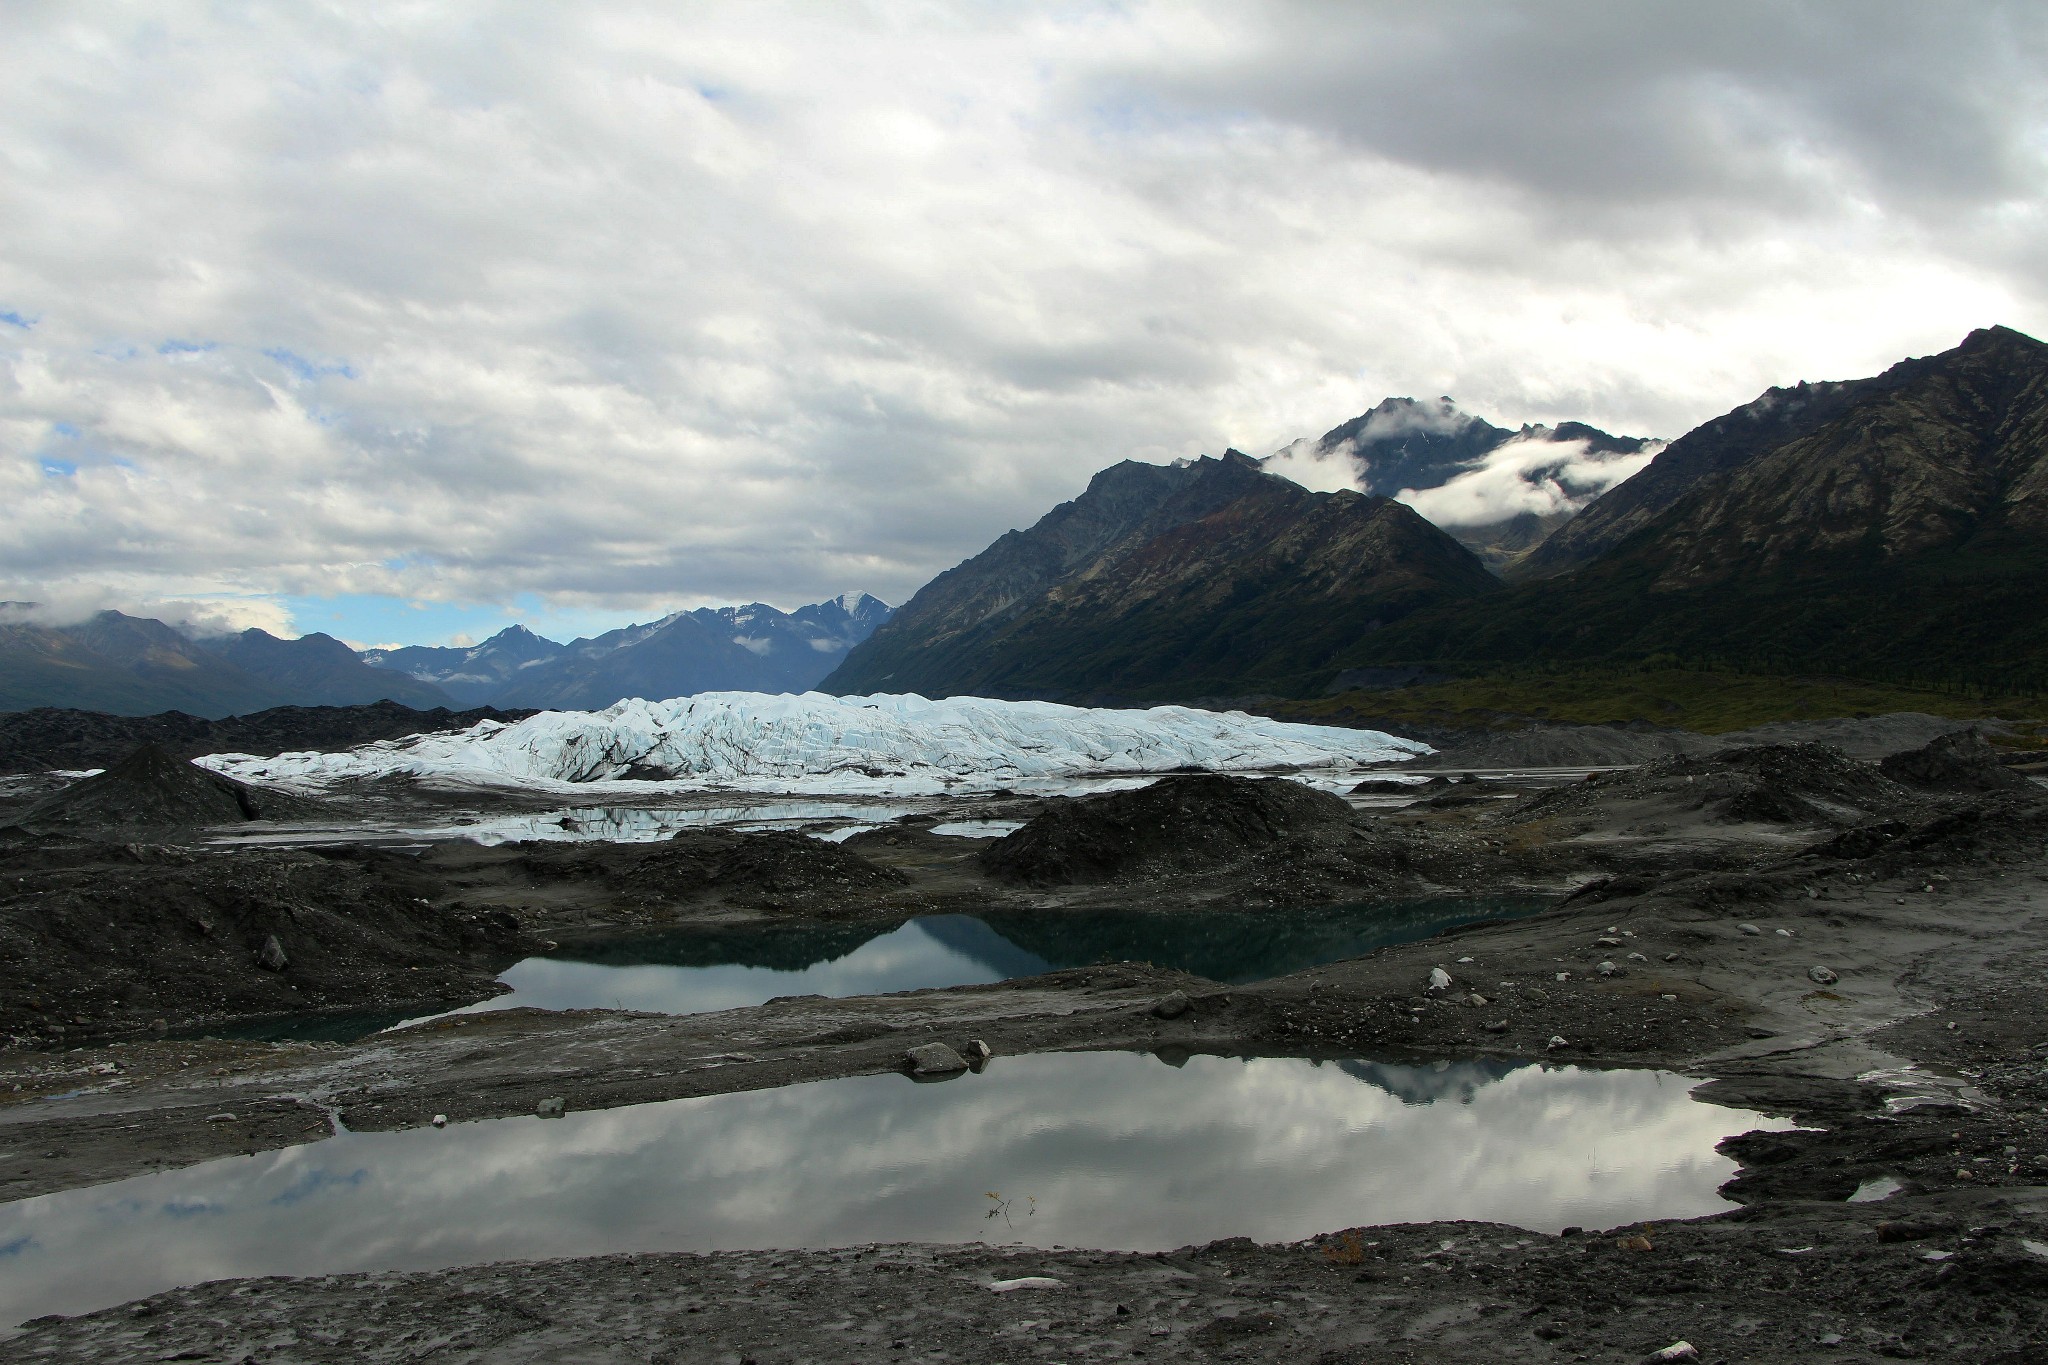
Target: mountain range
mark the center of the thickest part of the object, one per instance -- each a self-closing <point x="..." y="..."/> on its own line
<point x="129" y="665"/>
<point x="754" y="648"/>
<point x="1889" y="527"/>
<point x="1892" y="528"/>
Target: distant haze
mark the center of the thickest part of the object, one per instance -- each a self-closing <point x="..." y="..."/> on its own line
<point x="404" y="323"/>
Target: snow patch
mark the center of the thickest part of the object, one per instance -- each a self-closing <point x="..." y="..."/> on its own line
<point x="754" y="644"/>
<point x="881" y="745"/>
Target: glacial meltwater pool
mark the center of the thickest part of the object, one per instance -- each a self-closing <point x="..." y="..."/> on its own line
<point x="701" y="970"/>
<point x="1102" y="1149"/>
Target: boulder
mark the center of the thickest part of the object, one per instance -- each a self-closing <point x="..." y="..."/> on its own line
<point x="933" y="1059"/>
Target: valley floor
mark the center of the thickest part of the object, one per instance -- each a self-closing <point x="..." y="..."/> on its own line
<point x="1918" y="1054"/>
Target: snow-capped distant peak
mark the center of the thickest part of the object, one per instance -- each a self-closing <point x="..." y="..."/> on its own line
<point x="849" y="602"/>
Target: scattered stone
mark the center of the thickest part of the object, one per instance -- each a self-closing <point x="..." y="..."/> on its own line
<point x="933" y="1059"/>
<point x="1606" y="942"/>
<point x="1822" y="976"/>
<point x="1749" y="930"/>
<point x="1172" y="1005"/>
<point x="978" y="1051"/>
<point x="1556" y="1042"/>
<point x="552" y="1107"/>
<point x="1497" y="1026"/>
<point x="270" y="957"/>
<point x="440" y="1120"/>
<point x="220" y="1118"/>
<point x="1609" y="969"/>
<point x="1677" y="1350"/>
<point x="1439" y="981"/>
<point x="1638" y="957"/>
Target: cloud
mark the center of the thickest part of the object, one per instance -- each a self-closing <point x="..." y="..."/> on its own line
<point x="67" y="604"/>
<point x="635" y="307"/>
<point x="1531" y="474"/>
<point x="1313" y="465"/>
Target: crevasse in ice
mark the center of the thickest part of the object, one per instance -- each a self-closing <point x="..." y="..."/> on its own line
<point x="817" y="743"/>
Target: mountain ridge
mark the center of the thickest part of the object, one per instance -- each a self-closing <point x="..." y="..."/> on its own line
<point x="1160" y="582"/>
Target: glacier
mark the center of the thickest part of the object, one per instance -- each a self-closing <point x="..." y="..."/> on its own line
<point x="813" y="743"/>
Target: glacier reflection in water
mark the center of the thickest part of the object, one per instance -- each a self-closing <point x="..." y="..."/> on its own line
<point x="1112" y="1150"/>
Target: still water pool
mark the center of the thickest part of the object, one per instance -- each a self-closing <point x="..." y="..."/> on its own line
<point x="1109" y="1150"/>
<point x="700" y="971"/>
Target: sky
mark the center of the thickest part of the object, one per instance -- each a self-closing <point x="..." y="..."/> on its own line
<point x="406" y="321"/>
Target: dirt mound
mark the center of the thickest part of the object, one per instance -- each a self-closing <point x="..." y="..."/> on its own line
<point x="1864" y="737"/>
<point x="1176" y="824"/>
<point x="102" y="939"/>
<point x="1775" y="784"/>
<point x="51" y="737"/>
<point x="1958" y="762"/>
<point x="773" y="870"/>
<point x="1570" y="746"/>
<point x="153" y="789"/>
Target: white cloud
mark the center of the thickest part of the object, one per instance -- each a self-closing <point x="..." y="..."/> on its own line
<point x="1527" y="475"/>
<point x="1324" y="469"/>
<point x="633" y="306"/>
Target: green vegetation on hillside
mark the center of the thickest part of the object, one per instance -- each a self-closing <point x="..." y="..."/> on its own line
<point x="1710" y="702"/>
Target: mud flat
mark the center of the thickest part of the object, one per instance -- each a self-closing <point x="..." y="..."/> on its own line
<point x="1813" y="938"/>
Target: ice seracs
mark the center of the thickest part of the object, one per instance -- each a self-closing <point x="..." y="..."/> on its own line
<point x="817" y="743"/>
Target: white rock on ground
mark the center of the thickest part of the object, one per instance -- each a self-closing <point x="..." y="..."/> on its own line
<point x="856" y="745"/>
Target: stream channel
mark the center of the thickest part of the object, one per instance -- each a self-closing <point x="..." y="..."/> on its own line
<point x="1092" y="1149"/>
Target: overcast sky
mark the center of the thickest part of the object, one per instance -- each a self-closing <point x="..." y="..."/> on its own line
<point x="399" y="321"/>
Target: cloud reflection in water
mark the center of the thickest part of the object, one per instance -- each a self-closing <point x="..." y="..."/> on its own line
<point x="1118" y="1151"/>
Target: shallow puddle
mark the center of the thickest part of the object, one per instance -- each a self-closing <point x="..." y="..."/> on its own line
<point x="1110" y="1150"/>
<point x="698" y="972"/>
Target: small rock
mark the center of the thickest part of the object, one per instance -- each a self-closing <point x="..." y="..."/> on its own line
<point x="1556" y="1042"/>
<point x="220" y="1118"/>
<point x="1606" y="943"/>
<point x="978" y="1051"/>
<point x="1749" y="930"/>
<point x="1822" y="976"/>
<point x="1564" y="976"/>
<point x="1637" y="957"/>
<point x="1475" y="999"/>
<point x="270" y="957"/>
<point x="1677" y="1350"/>
<point x="1671" y="957"/>
<point x="933" y="1059"/>
<point x="1439" y="981"/>
<point x="440" y="1120"/>
<point x="1463" y="961"/>
<point x="1497" y="1026"/>
<point x="552" y="1107"/>
<point x="1172" y="1005"/>
<point x="1609" y="969"/>
<point x="1783" y="933"/>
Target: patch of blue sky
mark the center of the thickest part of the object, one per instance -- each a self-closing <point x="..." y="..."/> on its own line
<point x="314" y="1182"/>
<point x="64" y="429"/>
<point x="375" y="619"/>
<point x="60" y="469"/>
<point x="300" y="367"/>
<point x="185" y="346"/>
<point x="191" y="1208"/>
<point x="14" y="319"/>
